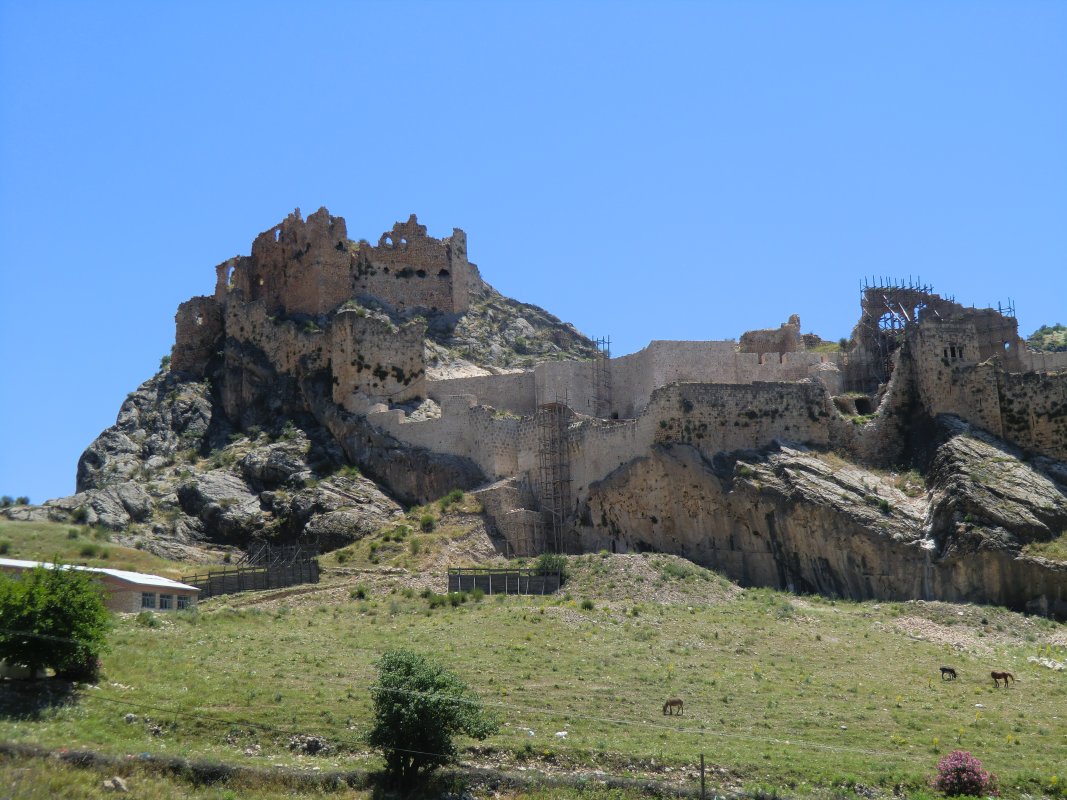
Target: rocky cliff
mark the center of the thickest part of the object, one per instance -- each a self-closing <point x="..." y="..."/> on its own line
<point x="328" y="383"/>
<point x="808" y="521"/>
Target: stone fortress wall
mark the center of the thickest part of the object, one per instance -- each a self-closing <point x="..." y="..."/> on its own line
<point x="288" y="299"/>
<point x="311" y="267"/>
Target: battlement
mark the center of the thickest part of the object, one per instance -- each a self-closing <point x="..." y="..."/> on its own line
<point x="311" y="267"/>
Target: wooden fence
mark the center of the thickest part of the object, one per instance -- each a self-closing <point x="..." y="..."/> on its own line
<point x="243" y="579"/>
<point x="503" y="581"/>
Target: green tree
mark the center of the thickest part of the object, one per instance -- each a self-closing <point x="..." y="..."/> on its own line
<point x="53" y="618"/>
<point x="418" y="708"/>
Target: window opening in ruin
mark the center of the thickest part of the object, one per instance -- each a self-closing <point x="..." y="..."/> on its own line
<point x="199" y="319"/>
<point x="387" y="240"/>
<point x="277" y="234"/>
<point x="421" y="273"/>
<point x="403" y="242"/>
<point x="229" y="277"/>
<point x="1007" y="345"/>
<point x="260" y="281"/>
<point x="443" y="273"/>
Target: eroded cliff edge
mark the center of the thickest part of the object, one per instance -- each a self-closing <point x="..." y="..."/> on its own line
<point x="327" y="383"/>
<point x="808" y="521"/>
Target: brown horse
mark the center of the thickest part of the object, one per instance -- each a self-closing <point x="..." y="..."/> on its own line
<point x="670" y="705"/>
<point x="1001" y="676"/>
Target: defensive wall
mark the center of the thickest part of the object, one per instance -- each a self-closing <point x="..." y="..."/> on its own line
<point x="635" y="377"/>
<point x="311" y="267"/>
<point x="287" y="301"/>
<point x="712" y="417"/>
<point x="981" y="373"/>
<point x="367" y="354"/>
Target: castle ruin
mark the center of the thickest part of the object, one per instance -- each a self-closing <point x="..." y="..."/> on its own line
<point x="309" y="301"/>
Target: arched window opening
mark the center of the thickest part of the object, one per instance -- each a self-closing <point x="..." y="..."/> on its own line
<point x="444" y="273"/>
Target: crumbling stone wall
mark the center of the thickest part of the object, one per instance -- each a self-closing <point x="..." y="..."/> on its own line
<point x="785" y="339"/>
<point x="1034" y="411"/>
<point x="514" y="393"/>
<point x="370" y="356"/>
<point x="198" y="335"/>
<point x="310" y="267"/>
<point x="636" y="376"/>
<point x="409" y="269"/>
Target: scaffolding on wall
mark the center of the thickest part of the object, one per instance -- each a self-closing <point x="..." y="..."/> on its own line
<point x="601" y="401"/>
<point x="555" y="471"/>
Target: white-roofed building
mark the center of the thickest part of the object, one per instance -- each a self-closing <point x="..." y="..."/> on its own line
<point x="126" y="591"/>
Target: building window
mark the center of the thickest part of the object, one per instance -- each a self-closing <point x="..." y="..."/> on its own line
<point x="166" y="602"/>
<point x="148" y="600"/>
<point x="183" y="602"/>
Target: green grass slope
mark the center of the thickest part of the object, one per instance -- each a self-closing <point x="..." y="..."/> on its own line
<point x="801" y="695"/>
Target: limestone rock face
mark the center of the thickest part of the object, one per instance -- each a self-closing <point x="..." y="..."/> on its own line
<point x="164" y="415"/>
<point x="174" y="475"/>
<point x="809" y="522"/>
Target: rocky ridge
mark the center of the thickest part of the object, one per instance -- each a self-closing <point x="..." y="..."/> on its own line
<point x="263" y="433"/>
<point x="808" y="521"/>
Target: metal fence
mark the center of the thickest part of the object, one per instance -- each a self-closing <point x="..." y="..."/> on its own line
<point x="244" y="579"/>
<point x="503" y="581"/>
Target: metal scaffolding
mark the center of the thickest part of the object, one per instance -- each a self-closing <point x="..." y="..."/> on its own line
<point x="601" y="400"/>
<point x="555" y="468"/>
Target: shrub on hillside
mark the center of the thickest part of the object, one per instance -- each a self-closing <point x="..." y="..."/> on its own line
<point x="960" y="773"/>
<point x="53" y="618"/>
<point x="551" y="564"/>
<point x="418" y="708"/>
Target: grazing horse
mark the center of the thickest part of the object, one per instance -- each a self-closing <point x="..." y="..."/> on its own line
<point x="670" y="705"/>
<point x="948" y="673"/>
<point x="1001" y="676"/>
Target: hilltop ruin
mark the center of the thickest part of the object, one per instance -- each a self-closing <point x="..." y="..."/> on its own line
<point x="917" y="459"/>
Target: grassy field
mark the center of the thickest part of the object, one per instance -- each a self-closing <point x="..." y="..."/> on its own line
<point x="80" y="544"/>
<point x="803" y="695"/>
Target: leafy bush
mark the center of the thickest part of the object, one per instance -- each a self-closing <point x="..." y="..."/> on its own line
<point x="418" y="708"/>
<point x="22" y="501"/>
<point x="5" y="547"/>
<point x="53" y="618"/>
<point x="960" y="773"/>
<point x="551" y="564"/>
<point x="427" y="522"/>
<point x="588" y="605"/>
<point x="6" y="500"/>
<point x="360" y="593"/>
<point x="148" y="620"/>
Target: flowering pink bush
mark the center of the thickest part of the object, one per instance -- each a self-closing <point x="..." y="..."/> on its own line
<point x="961" y="773"/>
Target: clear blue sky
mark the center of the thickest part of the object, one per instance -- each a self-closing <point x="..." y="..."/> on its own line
<point x="683" y="170"/>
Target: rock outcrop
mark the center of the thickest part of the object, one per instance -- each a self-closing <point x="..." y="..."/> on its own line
<point x="328" y="381"/>
<point x="807" y="521"/>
